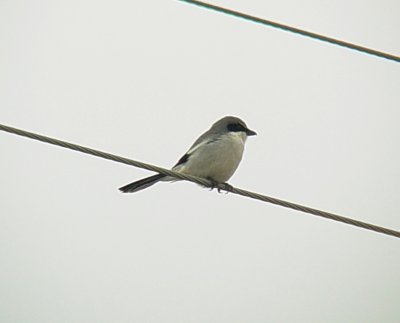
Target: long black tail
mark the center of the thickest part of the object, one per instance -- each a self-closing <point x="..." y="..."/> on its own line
<point x="141" y="184"/>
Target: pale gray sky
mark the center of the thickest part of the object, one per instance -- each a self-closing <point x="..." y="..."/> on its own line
<point x="143" y="80"/>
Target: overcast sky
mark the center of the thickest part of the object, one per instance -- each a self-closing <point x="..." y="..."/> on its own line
<point x="143" y="79"/>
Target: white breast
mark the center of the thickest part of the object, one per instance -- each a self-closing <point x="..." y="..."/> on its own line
<point x="217" y="160"/>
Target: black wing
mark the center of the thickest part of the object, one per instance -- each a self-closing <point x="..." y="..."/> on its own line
<point x="183" y="160"/>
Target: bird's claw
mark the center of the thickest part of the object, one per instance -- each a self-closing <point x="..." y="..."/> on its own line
<point x="214" y="184"/>
<point x="227" y="187"/>
<point x="220" y="186"/>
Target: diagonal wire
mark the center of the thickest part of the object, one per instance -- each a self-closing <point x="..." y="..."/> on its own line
<point x="201" y="181"/>
<point x="295" y="30"/>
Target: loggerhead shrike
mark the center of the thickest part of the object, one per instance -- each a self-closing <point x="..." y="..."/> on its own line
<point x="215" y="155"/>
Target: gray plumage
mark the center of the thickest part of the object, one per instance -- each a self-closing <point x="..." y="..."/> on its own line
<point x="215" y="155"/>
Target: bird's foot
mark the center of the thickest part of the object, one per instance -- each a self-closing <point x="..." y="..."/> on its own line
<point x="220" y="186"/>
<point x="227" y="187"/>
<point x="214" y="184"/>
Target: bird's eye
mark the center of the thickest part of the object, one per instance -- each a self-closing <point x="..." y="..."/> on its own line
<point x="235" y="127"/>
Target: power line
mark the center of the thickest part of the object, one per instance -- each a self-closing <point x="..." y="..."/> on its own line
<point x="295" y="30"/>
<point x="201" y="181"/>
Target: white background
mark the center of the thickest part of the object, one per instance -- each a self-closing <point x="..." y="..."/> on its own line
<point x="143" y="79"/>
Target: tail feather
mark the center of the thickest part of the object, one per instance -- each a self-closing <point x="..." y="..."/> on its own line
<point x="141" y="184"/>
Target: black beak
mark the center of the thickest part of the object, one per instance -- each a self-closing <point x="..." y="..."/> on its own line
<point x="251" y="132"/>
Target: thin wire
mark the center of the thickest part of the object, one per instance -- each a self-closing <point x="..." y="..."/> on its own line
<point x="201" y="181"/>
<point x="295" y="30"/>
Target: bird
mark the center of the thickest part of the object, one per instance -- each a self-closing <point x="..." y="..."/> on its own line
<point x="215" y="155"/>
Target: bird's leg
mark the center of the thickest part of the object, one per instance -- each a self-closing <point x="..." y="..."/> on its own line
<point x="227" y="187"/>
<point x="214" y="184"/>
